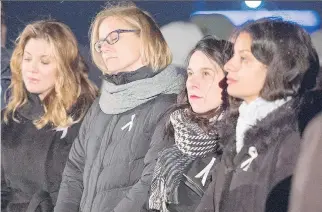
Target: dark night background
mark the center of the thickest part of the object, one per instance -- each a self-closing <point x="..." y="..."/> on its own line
<point x="78" y="15"/>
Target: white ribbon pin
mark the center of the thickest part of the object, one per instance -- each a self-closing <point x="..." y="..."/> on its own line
<point x="62" y="129"/>
<point x="130" y="124"/>
<point x="204" y="173"/>
<point x="253" y="154"/>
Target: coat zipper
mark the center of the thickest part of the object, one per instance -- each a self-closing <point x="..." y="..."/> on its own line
<point x="194" y="186"/>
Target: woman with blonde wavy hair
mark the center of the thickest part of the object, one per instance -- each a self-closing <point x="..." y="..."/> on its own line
<point x="50" y="94"/>
<point x="111" y="163"/>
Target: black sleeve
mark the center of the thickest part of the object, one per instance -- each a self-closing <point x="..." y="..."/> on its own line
<point x="5" y="191"/>
<point x="136" y="198"/>
<point x="71" y="187"/>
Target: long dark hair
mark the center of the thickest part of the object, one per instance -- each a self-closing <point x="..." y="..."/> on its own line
<point x="219" y="51"/>
<point x="286" y="49"/>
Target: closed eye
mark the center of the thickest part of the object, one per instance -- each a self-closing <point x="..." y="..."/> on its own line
<point x="206" y="73"/>
<point x="45" y="62"/>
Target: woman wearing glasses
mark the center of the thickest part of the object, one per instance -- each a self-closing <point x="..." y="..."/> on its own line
<point x="111" y="163"/>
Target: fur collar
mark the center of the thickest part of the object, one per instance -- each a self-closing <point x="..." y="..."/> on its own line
<point x="291" y="117"/>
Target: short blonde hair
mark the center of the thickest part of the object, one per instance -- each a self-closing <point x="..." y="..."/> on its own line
<point x="72" y="84"/>
<point x="155" y="51"/>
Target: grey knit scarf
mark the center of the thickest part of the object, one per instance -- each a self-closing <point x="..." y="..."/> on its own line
<point x="190" y="142"/>
<point x="116" y="99"/>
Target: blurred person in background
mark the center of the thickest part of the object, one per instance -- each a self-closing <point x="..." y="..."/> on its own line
<point x="307" y="183"/>
<point x="181" y="38"/>
<point x="5" y="60"/>
<point x="317" y="43"/>
<point x="214" y="24"/>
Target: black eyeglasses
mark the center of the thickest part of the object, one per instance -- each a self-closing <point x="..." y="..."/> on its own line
<point x="112" y="38"/>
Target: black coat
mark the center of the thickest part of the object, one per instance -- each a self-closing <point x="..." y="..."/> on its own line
<point x="265" y="185"/>
<point x="111" y="163"/>
<point x="191" y="189"/>
<point x="32" y="161"/>
<point x="126" y="165"/>
<point x="307" y="184"/>
<point x="5" y="74"/>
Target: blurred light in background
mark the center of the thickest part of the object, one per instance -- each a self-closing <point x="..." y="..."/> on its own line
<point x="253" y="4"/>
<point x="308" y="19"/>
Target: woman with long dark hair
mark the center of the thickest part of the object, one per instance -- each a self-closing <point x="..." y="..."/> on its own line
<point x="274" y="71"/>
<point x="183" y="171"/>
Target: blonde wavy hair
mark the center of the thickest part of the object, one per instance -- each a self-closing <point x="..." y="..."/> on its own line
<point x="154" y="51"/>
<point x="73" y="92"/>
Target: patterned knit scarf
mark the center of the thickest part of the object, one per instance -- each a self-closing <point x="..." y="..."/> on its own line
<point x="191" y="142"/>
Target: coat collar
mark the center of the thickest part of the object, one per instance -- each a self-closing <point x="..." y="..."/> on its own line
<point x="291" y="117"/>
<point x="33" y="109"/>
<point x="127" y="77"/>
